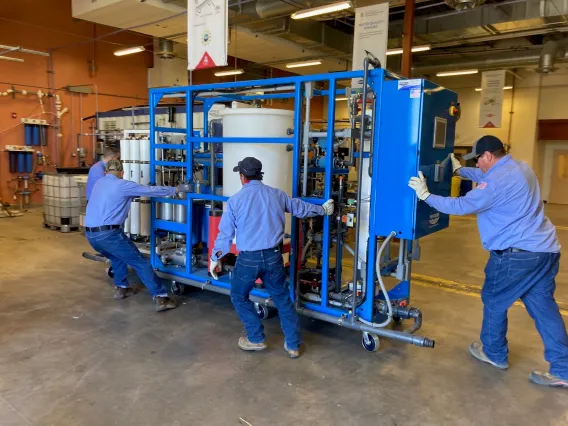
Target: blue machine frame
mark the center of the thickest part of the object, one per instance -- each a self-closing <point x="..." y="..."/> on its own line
<point x="379" y="80"/>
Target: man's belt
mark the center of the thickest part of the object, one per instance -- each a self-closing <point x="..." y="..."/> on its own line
<point x="102" y="228"/>
<point x="510" y="250"/>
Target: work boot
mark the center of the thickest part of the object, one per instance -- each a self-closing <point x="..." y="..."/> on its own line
<point x="123" y="292"/>
<point x="246" y="345"/>
<point x="164" y="304"/>
<point x="547" y="379"/>
<point x="292" y="353"/>
<point x="476" y="349"/>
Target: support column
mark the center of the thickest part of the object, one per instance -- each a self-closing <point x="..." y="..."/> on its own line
<point x="407" y="37"/>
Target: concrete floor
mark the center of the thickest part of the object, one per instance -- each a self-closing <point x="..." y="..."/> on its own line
<point x="71" y="355"/>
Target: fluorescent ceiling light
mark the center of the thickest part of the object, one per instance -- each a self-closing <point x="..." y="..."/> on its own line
<point x="321" y="10"/>
<point x="414" y="50"/>
<point x="479" y="89"/>
<point x="8" y="58"/>
<point x="340" y="99"/>
<point x="129" y="51"/>
<point x="229" y="72"/>
<point x="303" y="64"/>
<point x="452" y="73"/>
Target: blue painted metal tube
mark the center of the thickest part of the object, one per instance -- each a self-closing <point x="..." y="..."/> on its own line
<point x="295" y="186"/>
<point x="152" y="113"/>
<point x="21" y="162"/>
<point x="170" y="130"/>
<point x="189" y="164"/>
<point x="178" y="228"/>
<point x="28" y="134"/>
<point x="29" y="159"/>
<point x="171" y="163"/>
<point x="242" y="140"/>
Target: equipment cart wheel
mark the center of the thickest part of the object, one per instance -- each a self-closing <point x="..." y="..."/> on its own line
<point x="370" y="342"/>
<point x="177" y="288"/>
<point x="262" y="311"/>
<point x="110" y="272"/>
<point x="397" y="320"/>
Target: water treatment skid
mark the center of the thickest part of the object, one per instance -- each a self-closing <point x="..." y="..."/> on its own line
<point x="395" y="128"/>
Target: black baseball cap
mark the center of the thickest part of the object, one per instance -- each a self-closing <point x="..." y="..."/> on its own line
<point x="250" y="166"/>
<point x="484" y="144"/>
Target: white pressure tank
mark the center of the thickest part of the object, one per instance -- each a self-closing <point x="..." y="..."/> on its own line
<point x="257" y="123"/>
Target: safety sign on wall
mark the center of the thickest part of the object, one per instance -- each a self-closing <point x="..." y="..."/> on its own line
<point x="371" y="34"/>
<point x="207" y="33"/>
<point x="491" y="103"/>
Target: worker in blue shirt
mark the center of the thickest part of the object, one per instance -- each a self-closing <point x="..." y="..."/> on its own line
<point x="97" y="170"/>
<point x="524" y="253"/>
<point x="257" y="214"/>
<point x="106" y="213"/>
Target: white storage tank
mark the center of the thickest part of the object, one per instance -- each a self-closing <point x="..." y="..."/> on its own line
<point x="257" y="123"/>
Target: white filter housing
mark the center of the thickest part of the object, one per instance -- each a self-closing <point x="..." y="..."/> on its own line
<point x="257" y="123"/>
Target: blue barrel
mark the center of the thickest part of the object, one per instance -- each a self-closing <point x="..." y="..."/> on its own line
<point x="35" y="135"/>
<point x="21" y="162"/>
<point x="29" y="160"/>
<point x="28" y="134"/>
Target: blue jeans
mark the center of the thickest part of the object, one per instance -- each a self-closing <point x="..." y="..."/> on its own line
<point x="269" y="267"/>
<point x="530" y="277"/>
<point x="121" y="252"/>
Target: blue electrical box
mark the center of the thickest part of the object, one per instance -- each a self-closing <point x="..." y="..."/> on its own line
<point x="413" y="130"/>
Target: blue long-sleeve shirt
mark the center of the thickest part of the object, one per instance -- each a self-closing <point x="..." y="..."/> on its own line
<point x="257" y="214"/>
<point x="96" y="172"/>
<point x="111" y="197"/>
<point x="510" y="213"/>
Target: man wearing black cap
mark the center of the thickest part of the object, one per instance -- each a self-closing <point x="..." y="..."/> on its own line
<point x="257" y="214"/>
<point x="524" y="253"/>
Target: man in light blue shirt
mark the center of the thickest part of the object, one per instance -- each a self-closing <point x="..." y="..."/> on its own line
<point x="257" y="214"/>
<point x="97" y="170"/>
<point x="106" y="213"/>
<point x="524" y="253"/>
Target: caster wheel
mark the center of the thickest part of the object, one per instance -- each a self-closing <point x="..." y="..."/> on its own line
<point x="370" y="342"/>
<point x="177" y="288"/>
<point x="397" y="320"/>
<point x="110" y="272"/>
<point x="262" y="311"/>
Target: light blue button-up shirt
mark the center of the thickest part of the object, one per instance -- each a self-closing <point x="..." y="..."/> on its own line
<point x="96" y="172"/>
<point x="257" y="214"/>
<point x="510" y="213"/>
<point x="111" y="198"/>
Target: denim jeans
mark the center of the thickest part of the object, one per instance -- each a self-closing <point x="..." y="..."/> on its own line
<point x="530" y="277"/>
<point x="269" y="267"/>
<point x="121" y="252"/>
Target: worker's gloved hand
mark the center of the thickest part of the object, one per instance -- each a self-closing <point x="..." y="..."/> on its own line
<point x="213" y="268"/>
<point x="328" y="207"/>
<point x="184" y="187"/>
<point x="456" y="165"/>
<point x="419" y="185"/>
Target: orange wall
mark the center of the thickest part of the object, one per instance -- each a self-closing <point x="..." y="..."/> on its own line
<point x="45" y="25"/>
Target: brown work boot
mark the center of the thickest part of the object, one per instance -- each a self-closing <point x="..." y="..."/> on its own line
<point x="123" y="292"/>
<point x="246" y="345"/>
<point x="292" y="353"/>
<point x="164" y="304"/>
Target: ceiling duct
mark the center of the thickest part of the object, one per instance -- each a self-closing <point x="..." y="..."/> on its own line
<point x="460" y="5"/>
<point x="165" y="49"/>
<point x="551" y="51"/>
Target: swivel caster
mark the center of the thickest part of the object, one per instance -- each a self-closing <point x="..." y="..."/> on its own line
<point x="262" y="311"/>
<point x="110" y="272"/>
<point x="177" y="288"/>
<point x="370" y="342"/>
<point x="397" y="320"/>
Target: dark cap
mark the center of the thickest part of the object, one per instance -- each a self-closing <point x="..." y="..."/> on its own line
<point x="484" y="144"/>
<point x="250" y="166"/>
<point x="114" y="166"/>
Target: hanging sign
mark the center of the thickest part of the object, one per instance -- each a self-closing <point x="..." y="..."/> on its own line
<point x="371" y="34"/>
<point x="207" y="24"/>
<point x="491" y="103"/>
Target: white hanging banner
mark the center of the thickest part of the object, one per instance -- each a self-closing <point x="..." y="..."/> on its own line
<point x="207" y="33"/>
<point x="491" y="103"/>
<point x="371" y="34"/>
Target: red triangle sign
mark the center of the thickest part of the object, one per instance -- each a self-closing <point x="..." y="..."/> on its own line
<point x="489" y="124"/>
<point x="205" y="62"/>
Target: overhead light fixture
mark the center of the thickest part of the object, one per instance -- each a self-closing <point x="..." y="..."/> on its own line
<point x="229" y="72"/>
<point x="452" y="73"/>
<point x="303" y="64"/>
<point x="340" y="99"/>
<point x="479" y="89"/>
<point x="414" y="50"/>
<point x="9" y="58"/>
<point x="321" y="10"/>
<point x="129" y="51"/>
